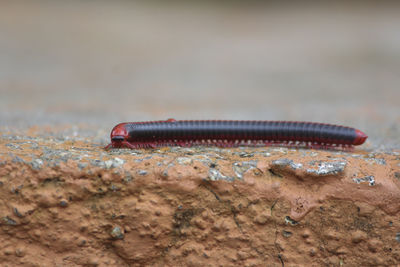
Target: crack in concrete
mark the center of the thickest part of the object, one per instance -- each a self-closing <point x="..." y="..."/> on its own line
<point x="232" y="209"/>
<point x="280" y="258"/>
<point x="274" y="173"/>
<point x="235" y="218"/>
<point x="276" y="235"/>
<point x="209" y="189"/>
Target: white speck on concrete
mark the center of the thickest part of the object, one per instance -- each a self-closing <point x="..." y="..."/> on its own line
<point x="367" y="179"/>
<point x="328" y="168"/>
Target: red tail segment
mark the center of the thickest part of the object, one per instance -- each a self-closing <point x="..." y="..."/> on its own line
<point x="360" y="138"/>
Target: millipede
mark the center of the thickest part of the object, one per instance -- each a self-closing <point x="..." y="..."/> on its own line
<point x="232" y="133"/>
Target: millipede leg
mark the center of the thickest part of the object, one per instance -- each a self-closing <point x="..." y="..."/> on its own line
<point x="152" y="145"/>
<point x="129" y="145"/>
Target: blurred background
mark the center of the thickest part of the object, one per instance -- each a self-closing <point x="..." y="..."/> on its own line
<point x="93" y="64"/>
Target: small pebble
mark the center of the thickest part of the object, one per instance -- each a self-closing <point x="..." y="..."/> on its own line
<point x="16" y="212"/>
<point x="289" y="220"/>
<point x="116" y="233"/>
<point x="37" y="164"/>
<point x="328" y="168"/>
<point x="9" y="221"/>
<point x="286" y="233"/>
<point x="20" y="252"/>
<point x="367" y="179"/>
<point x="142" y="172"/>
<point x="63" y="203"/>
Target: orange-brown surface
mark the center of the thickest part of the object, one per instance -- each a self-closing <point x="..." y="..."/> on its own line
<point x="71" y="203"/>
<point x="71" y="70"/>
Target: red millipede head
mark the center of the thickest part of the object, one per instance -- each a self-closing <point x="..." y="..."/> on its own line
<point x="360" y="138"/>
<point x="119" y="135"/>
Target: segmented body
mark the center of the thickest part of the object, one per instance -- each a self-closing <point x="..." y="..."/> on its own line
<point x="233" y="133"/>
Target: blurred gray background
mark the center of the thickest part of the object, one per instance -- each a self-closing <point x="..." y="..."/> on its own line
<point x="97" y="63"/>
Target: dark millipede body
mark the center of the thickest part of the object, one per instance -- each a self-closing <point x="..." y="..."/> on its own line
<point x="227" y="133"/>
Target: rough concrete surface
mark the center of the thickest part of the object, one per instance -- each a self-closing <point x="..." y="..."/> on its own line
<point x="71" y="203"/>
<point x="71" y="70"/>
